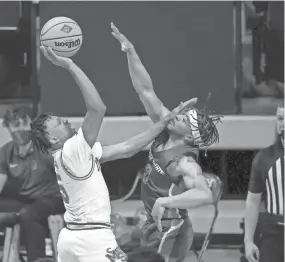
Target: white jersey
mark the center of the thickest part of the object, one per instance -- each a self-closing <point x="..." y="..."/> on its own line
<point x="82" y="185"/>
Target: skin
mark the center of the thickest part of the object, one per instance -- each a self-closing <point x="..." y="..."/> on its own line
<point x="253" y="202"/>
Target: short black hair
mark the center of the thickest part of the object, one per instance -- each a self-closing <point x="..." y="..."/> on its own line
<point x="17" y="112"/>
<point x="145" y="255"/>
<point x="39" y="133"/>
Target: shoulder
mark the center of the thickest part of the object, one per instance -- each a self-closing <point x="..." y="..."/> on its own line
<point x="263" y="156"/>
<point x="7" y="148"/>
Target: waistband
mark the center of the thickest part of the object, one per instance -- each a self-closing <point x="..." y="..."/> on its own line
<point x="88" y="226"/>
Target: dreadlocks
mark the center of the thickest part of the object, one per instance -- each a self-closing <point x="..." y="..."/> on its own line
<point x="207" y="125"/>
<point x="39" y="133"/>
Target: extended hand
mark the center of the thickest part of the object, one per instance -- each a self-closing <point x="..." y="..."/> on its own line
<point x="157" y="213"/>
<point x="181" y="108"/>
<point x="55" y="59"/>
<point x="125" y="43"/>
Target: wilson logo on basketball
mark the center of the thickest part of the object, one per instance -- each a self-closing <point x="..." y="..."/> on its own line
<point x="69" y="44"/>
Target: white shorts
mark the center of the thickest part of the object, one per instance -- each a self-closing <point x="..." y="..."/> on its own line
<point x="93" y="245"/>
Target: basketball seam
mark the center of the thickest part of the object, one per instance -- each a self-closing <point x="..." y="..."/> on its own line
<point x="59" y="24"/>
<point x="59" y="37"/>
<point x="63" y="51"/>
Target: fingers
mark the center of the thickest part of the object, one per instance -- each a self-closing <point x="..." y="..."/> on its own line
<point x="186" y="105"/>
<point x="257" y="255"/>
<point x="51" y="53"/>
<point x="159" y="224"/>
<point x="253" y="256"/>
<point x="116" y="36"/>
<point x="115" y="29"/>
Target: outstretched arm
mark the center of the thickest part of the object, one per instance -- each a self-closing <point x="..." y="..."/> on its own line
<point x="94" y="104"/>
<point x="135" y="144"/>
<point x="141" y="79"/>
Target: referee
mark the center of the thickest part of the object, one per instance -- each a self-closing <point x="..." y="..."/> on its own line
<point x="267" y="180"/>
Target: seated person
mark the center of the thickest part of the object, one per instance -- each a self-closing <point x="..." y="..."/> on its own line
<point x="28" y="180"/>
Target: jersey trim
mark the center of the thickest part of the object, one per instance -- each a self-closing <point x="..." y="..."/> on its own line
<point x="75" y="177"/>
<point x="88" y="226"/>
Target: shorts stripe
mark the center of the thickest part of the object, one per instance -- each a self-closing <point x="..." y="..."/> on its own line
<point x="164" y="238"/>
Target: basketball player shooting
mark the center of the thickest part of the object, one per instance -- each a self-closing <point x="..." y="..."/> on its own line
<point x="168" y="226"/>
<point x="77" y="158"/>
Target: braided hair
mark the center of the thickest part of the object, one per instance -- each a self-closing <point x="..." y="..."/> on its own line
<point x="39" y="134"/>
<point x="207" y="125"/>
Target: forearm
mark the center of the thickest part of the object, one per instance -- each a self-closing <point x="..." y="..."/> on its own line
<point x="139" y="76"/>
<point x="91" y="97"/>
<point x="140" y="141"/>
<point x="192" y="198"/>
<point x="250" y="220"/>
<point x="3" y="180"/>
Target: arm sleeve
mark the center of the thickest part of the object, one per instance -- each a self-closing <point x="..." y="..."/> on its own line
<point x="77" y="154"/>
<point x="257" y="175"/>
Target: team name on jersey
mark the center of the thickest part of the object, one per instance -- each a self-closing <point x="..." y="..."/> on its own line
<point x="156" y="166"/>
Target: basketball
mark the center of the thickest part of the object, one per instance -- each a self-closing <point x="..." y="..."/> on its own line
<point x="63" y="35"/>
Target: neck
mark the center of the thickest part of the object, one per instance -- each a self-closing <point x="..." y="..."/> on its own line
<point x="23" y="149"/>
<point x="174" y="141"/>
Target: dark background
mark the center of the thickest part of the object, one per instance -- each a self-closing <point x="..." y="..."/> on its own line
<point x="187" y="47"/>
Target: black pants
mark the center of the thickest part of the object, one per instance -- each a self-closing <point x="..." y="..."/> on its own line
<point x="272" y="239"/>
<point x="272" y="248"/>
<point x="32" y="218"/>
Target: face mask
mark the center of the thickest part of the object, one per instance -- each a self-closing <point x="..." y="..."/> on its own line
<point x="21" y="137"/>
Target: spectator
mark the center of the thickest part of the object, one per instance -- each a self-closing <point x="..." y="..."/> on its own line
<point x="267" y="179"/>
<point x="30" y="184"/>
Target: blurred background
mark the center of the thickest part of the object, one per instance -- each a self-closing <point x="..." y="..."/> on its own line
<point x="235" y="50"/>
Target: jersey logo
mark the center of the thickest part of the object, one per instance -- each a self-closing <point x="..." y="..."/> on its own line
<point x="13" y="165"/>
<point x="147" y="172"/>
<point x="156" y="166"/>
<point x="116" y="255"/>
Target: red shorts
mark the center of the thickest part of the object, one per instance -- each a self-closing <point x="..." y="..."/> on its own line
<point x="175" y="240"/>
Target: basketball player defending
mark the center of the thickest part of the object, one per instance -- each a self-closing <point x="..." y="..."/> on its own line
<point x="77" y="156"/>
<point x="163" y="199"/>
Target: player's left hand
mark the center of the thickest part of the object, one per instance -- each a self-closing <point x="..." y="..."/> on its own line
<point x="157" y="213"/>
<point x="125" y="43"/>
<point x="55" y="59"/>
<point x="179" y="109"/>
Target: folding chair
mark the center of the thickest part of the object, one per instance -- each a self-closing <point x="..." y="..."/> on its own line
<point x="217" y="189"/>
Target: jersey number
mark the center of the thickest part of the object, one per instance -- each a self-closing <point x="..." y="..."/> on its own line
<point x="62" y="190"/>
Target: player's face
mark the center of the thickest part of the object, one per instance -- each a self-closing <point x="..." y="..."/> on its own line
<point x="187" y="165"/>
<point x="180" y="125"/>
<point x="19" y="130"/>
<point x="59" y="128"/>
<point x="280" y="121"/>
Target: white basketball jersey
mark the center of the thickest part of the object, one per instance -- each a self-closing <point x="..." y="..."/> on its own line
<point x="82" y="185"/>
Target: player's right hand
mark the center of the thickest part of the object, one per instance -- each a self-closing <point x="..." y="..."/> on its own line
<point x="55" y="59"/>
<point x="181" y="108"/>
<point x="125" y="43"/>
<point x="251" y="252"/>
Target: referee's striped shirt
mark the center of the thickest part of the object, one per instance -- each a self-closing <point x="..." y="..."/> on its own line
<point x="267" y="177"/>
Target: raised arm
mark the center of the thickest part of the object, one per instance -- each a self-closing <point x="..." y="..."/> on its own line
<point x="95" y="107"/>
<point x="141" y="79"/>
<point x="135" y="144"/>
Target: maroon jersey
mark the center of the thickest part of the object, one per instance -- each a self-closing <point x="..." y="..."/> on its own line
<point x="156" y="182"/>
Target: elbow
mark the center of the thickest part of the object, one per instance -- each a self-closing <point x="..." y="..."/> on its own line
<point x="98" y="109"/>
